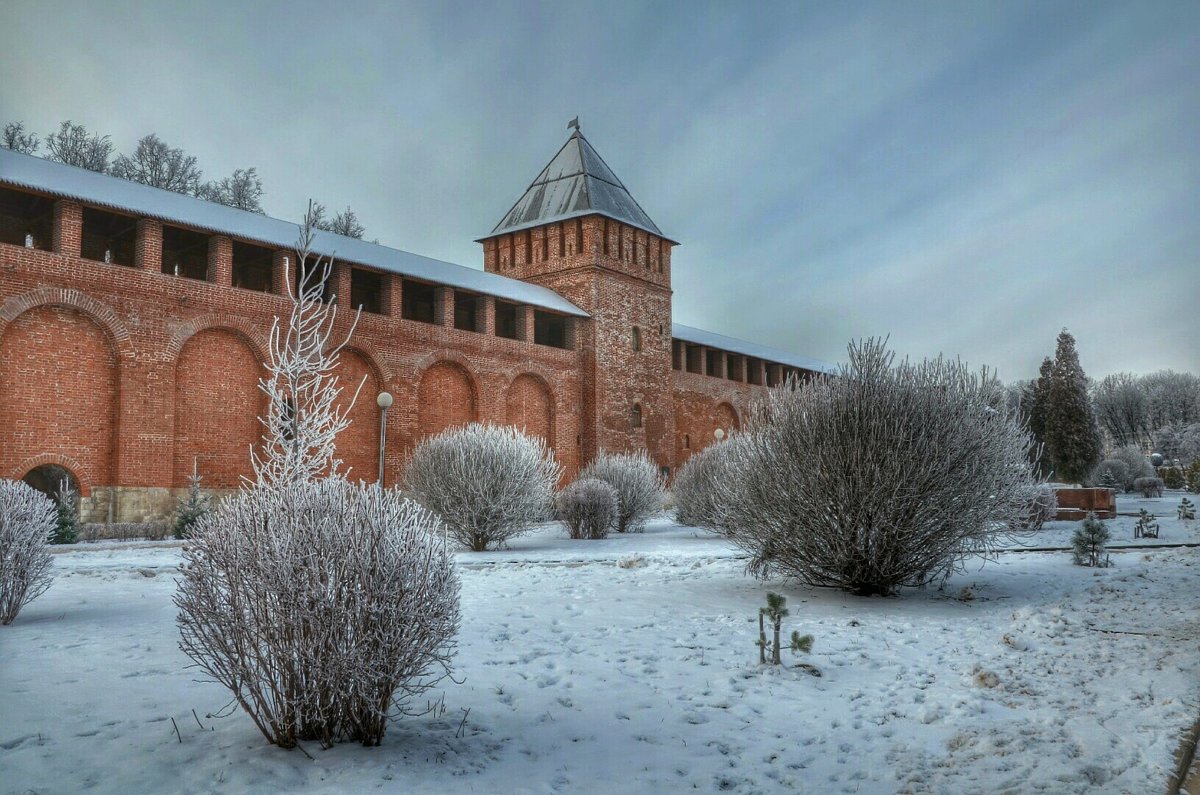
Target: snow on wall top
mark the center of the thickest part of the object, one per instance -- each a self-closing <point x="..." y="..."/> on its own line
<point x="102" y="190"/>
<point x="713" y="340"/>
<point x="575" y="182"/>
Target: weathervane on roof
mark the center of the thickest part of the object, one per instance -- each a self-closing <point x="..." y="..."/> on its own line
<point x="573" y="123"/>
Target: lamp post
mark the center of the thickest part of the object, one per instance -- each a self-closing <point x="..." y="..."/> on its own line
<point x="384" y="401"/>
<point x="719" y="434"/>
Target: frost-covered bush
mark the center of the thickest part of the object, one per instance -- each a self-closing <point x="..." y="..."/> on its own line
<point x="487" y="483"/>
<point x="26" y="523"/>
<point x="588" y="507"/>
<point x="695" y="487"/>
<point x="1136" y="462"/>
<point x="635" y="478"/>
<point x="880" y="477"/>
<point x="325" y="607"/>
<point x="1149" y="487"/>
<point x="1088" y="543"/>
<point x="1186" y="510"/>
<point x="1111" y="473"/>
<point x="1041" y="507"/>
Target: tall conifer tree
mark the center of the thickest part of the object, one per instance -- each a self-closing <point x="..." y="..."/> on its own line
<point x="1072" y="434"/>
<point x="1035" y="404"/>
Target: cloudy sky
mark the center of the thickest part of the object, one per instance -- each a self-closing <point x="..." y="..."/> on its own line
<point x="968" y="178"/>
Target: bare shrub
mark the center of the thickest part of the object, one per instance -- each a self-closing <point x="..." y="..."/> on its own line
<point x="26" y="524"/>
<point x="325" y="607"/>
<point x="1041" y="506"/>
<point x="881" y="477"/>
<point x="487" y="483"/>
<point x="697" y="502"/>
<point x="635" y="478"/>
<point x="1149" y="487"/>
<point x="124" y="531"/>
<point x="588" y="507"/>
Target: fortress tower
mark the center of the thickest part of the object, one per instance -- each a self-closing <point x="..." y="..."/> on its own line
<point x="579" y="232"/>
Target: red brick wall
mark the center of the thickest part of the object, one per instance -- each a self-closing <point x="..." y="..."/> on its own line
<point x="57" y="371"/>
<point x="703" y="404"/>
<point x="446" y="398"/>
<point x="358" y="445"/>
<point x="151" y="333"/>
<point x="217" y="405"/>
<point x="530" y="407"/>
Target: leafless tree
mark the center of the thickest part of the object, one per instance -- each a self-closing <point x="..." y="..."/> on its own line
<point x="16" y="139"/>
<point x="158" y="165"/>
<point x="487" y="483"/>
<point x="1179" y="441"/>
<point x="882" y="477"/>
<point x="1122" y="408"/>
<point x="26" y="523"/>
<point x="243" y="190"/>
<point x="344" y="223"/>
<point x="72" y="145"/>
<point x="1174" y="398"/>
<point x="325" y="607"/>
<point x="303" y="414"/>
<point x="588" y="507"/>
<point x="639" y="488"/>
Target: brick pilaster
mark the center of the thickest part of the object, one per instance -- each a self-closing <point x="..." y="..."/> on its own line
<point x="443" y="306"/>
<point x="525" y="323"/>
<point x="281" y="271"/>
<point x="67" y="234"/>
<point x="147" y="252"/>
<point x="340" y="285"/>
<point x="486" y="315"/>
<point x="391" y="302"/>
<point x="220" y="261"/>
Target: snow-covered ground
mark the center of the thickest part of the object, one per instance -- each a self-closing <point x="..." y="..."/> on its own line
<point x="629" y="665"/>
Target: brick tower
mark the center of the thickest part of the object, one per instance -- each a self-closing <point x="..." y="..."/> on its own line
<point x="579" y="232"/>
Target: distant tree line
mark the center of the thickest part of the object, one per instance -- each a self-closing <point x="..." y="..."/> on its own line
<point x="1072" y="417"/>
<point x="155" y="163"/>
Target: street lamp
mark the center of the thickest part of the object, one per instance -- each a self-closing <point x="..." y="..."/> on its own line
<point x="384" y="401"/>
<point x="719" y="434"/>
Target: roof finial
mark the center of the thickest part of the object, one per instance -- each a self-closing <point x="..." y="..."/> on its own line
<point x="573" y="123"/>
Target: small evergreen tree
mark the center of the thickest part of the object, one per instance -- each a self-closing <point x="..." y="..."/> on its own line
<point x="66" y="519"/>
<point x="1089" y="541"/>
<point x="192" y="507"/>
<point x="1146" y="526"/>
<point x="1108" y="480"/>
<point x="1187" y="509"/>
<point x="1072" y="433"/>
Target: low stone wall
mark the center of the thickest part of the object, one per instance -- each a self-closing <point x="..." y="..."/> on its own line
<point x="1075" y="504"/>
<point x="137" y="503"/>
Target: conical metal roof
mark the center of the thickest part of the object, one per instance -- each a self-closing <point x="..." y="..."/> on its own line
<point x="576" y="182"/>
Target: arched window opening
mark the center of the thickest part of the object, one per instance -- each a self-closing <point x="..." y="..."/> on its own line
<point x="637" y="339"/>
<point x="687" y="442"/>
<point x="637" y="415"/>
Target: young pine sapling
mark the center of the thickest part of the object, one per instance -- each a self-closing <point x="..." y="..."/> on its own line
<point x="776" y="610"/>
<point x="1146" y="526"/>
<point x="1186" y="510"/>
